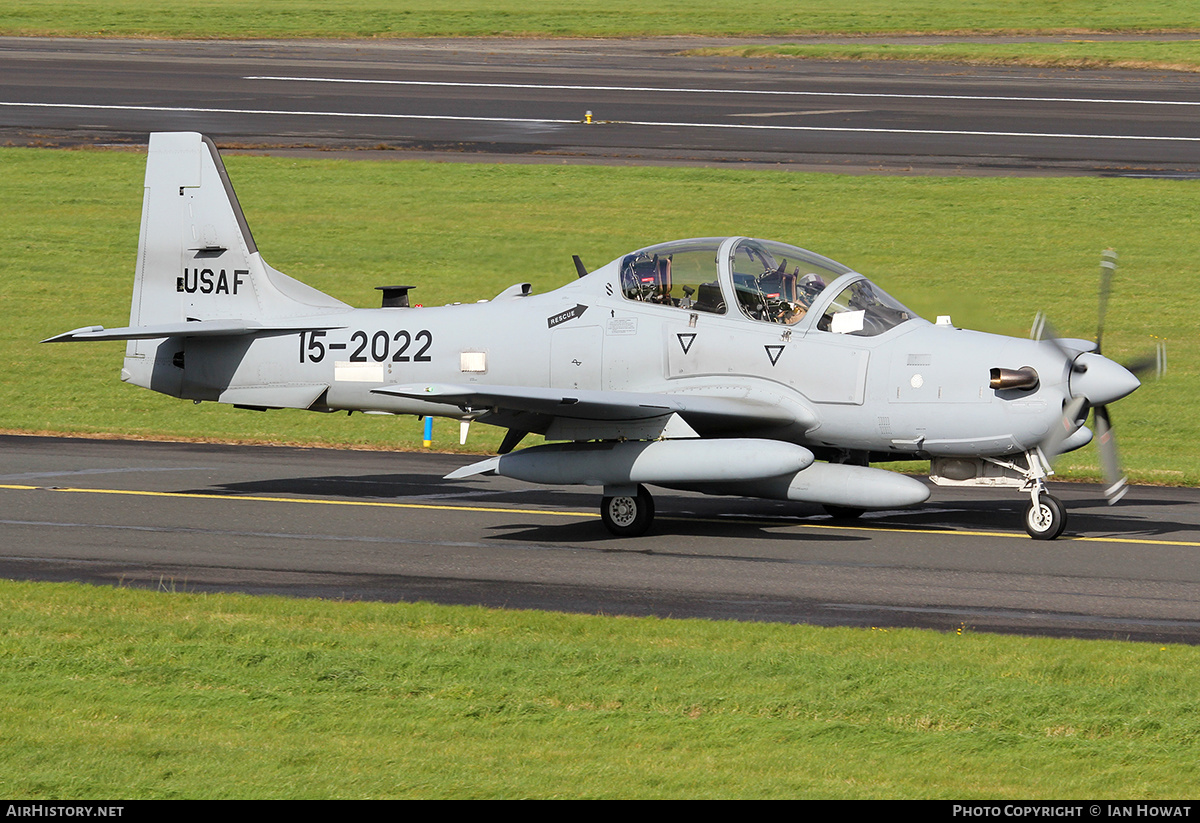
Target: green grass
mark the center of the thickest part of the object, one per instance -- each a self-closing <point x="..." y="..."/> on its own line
<point x="1174" y="55"/>
<point x="555" y="18"/>
<point x="113" y="693"/>
<point x="988" y="251"/>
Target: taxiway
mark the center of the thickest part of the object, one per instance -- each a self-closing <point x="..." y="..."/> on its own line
<point x="385" y="526"/>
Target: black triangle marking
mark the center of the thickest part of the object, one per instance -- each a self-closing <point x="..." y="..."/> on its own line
<point x="773" y="352"/>
<point x="686" y="341"/>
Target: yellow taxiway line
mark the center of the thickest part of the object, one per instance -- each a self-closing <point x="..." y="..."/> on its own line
<point x="554" y="513"/>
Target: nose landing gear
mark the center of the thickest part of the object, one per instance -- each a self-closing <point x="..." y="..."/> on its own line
<point x="1046" y="517"/>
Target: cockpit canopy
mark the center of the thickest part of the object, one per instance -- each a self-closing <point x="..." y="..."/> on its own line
<point x="769" y="282"/>
<point x="683" y="273"/>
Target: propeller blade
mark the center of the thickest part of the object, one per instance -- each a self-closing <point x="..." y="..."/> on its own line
<point x="1043" y="332"/>
<point x="1066" y="426"/>
<point x="1108" y="266"/>
<point x="1109" y="459"/>
<point x="1041" y="329"/>
<point x="1156" y="361"/>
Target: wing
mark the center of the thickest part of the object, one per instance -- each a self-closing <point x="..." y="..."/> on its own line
<point x="571" y="414"/>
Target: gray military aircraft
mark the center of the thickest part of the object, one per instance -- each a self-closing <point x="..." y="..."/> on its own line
<point x="730" y="366"/>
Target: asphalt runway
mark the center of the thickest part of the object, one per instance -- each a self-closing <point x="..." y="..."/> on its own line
<point x="529" y="100"/>
<point x="385" y="526"/>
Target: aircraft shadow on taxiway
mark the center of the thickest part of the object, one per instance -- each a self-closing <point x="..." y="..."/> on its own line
<point x="683" y="514"/>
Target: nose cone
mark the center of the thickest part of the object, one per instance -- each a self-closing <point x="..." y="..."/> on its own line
<point x="1101" y="380"/>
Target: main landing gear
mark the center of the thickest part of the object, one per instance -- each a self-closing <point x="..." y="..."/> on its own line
<point x="628" y="515"/>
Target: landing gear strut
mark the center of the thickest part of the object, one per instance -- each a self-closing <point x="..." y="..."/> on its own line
<point x="628" y="516"/>
<point x="1045" y="517"/>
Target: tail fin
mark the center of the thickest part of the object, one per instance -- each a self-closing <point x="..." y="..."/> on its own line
<point x="200" y="282"/>
<point x="196" y="257"/>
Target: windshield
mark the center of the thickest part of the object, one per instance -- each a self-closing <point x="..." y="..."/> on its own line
<point x="863" y="309"/>
<point x="776" y="283"/>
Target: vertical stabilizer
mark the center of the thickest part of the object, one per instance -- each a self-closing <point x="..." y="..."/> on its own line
<point x="196" y="257"/>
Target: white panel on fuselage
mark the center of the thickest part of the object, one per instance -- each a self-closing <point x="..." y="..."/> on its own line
<point x="933" y="376"/>
<point x="832" y="372"/>
<point x="576" y="355"/>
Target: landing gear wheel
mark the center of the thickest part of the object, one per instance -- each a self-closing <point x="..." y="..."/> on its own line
<point x="843" y="512"/>
<point x="1046" y="519"/>
<point x="628" y="516"/>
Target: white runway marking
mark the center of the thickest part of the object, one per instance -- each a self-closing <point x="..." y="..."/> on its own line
<point x="647" y="123"/>
<point x="808" y="113"/>
<point x="776" y="92"/>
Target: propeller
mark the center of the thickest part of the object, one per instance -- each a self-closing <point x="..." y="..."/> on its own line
<point x="1108" y="267"/>
<point x="1110" y="460"/>
<point x="1155" y="361"/>
<point x="1096" y="381"/>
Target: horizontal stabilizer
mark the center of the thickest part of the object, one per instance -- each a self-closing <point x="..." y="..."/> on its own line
<point x="197" y="328"/>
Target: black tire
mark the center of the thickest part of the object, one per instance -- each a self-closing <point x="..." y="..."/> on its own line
<point x="628" y="516"/>
<point x="1047" y="520"/>
<point x="843" y="512"/>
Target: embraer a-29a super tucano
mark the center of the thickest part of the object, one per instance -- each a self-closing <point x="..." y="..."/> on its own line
<point x="720" y="365"/>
